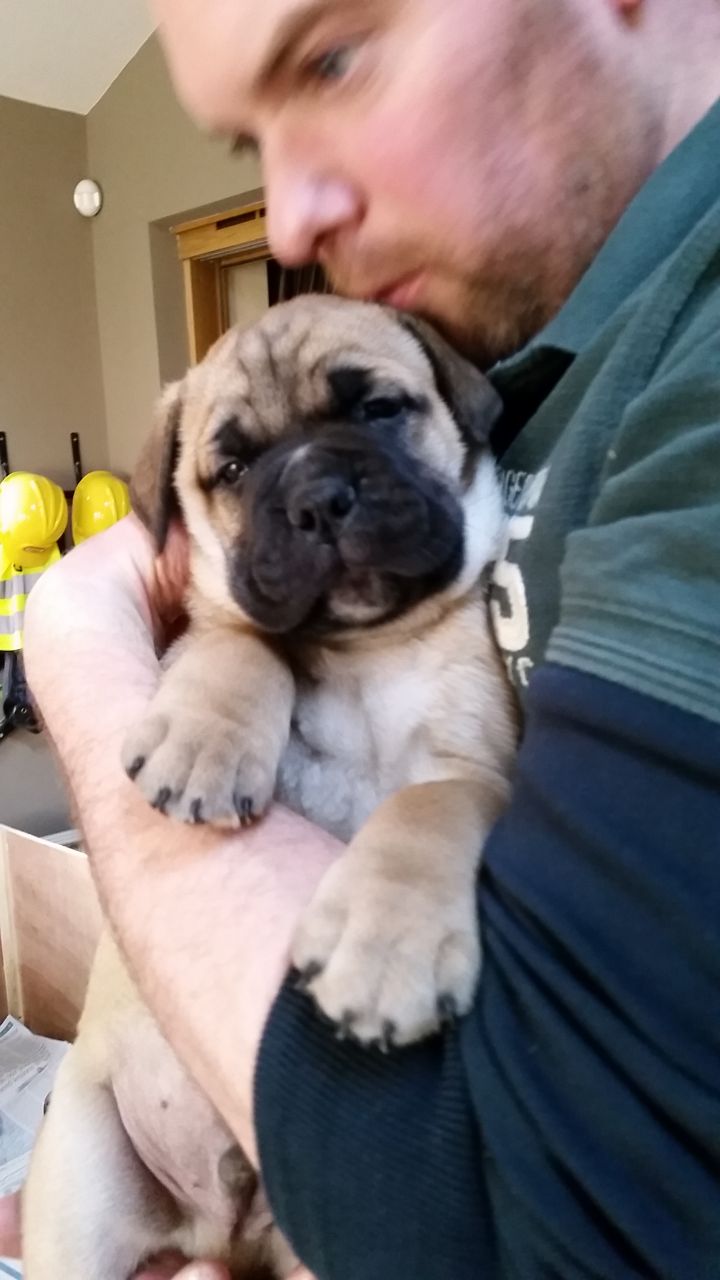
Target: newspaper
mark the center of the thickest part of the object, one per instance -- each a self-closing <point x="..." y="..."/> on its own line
<point x="28" y="1065"/>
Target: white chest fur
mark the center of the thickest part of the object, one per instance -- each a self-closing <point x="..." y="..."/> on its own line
<point x="393" y="714"/>
<point x="357" y="735"/>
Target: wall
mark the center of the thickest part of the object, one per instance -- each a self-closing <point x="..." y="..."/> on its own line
<point x="32" y="795"/>
<point x="50" y="377"/>
<point x="155" y="168"/>
<point x="50" y="381"/>
<point x="92" y="313"/>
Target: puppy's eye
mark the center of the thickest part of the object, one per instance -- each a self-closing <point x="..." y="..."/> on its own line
<point x="231" y="473"/>
<point x="383" y="408"/>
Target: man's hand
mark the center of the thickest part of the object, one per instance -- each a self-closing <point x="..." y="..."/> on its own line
<point x="193" y="1271"/>
<point x="11" y="1247"/>
<point x="10" y="1238"/>
<point x="173" y="1269"/>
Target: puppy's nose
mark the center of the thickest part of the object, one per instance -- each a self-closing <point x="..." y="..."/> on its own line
<point x="323" y="506"/>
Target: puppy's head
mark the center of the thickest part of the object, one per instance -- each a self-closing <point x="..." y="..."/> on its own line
<point x="330" y="467"/>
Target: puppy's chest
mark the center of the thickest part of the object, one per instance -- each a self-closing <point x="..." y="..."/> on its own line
<point x="353" y="742"/>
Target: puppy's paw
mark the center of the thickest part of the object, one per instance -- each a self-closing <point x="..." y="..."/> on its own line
<point x="199" y="768"/>
<point x="387" y="961"/>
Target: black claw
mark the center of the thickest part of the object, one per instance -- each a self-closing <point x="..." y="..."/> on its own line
<point x="345" y="1026"/>
<point x="135" y="767"/>
<point x="308" y="975"/>
<point x="161" y="800"/>
<point x="246" y="811"/>
<point x="447" y="1010"/>
<point x="196" y="813"/>
<point x="387" y="1036"/>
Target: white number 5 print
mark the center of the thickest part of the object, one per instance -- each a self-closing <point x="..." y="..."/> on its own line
<point x="508" y="604"/>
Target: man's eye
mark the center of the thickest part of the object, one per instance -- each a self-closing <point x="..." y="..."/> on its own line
<point x="334" y="64"/>
<point x="231" y="473"/>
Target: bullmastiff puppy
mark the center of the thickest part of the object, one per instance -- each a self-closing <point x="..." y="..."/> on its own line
<point x="331" y="468"/>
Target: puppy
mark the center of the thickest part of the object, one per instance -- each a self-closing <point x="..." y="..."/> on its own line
<point x="331" y="468"/>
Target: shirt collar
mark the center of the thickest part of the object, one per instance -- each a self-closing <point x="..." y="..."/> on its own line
<point x="663" y="214"/>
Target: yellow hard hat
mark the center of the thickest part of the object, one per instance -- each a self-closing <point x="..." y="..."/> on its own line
<point x="33" y="515"/>
<point x="101" y="499"/>
<point x="6" y="559"/>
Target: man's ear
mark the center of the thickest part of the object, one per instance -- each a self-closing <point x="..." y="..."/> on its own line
<point x="152" y="488"/>
<point x="470" y="396"/>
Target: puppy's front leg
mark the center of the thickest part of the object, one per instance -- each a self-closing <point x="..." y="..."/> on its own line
<point x="209" y="747"/>
<point x="389" y="946"/>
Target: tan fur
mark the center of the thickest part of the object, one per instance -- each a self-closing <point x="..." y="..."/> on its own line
<point x="92" y="1210"/>
<point x="399" y="738"/>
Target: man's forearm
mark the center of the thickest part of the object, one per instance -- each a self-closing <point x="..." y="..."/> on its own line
<point x="204" y="918"/>
<point x="206" y="922"/>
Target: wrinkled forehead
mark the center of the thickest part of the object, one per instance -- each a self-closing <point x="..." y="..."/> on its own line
<point x="285" y="369"/>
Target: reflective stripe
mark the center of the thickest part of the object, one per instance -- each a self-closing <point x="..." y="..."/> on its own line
<point x="11" y="634"/>
<point x="15" y="588"/>
<point x="16" y="604"/>
<point x="12" y="624"/>
<point x="17" y="583"/>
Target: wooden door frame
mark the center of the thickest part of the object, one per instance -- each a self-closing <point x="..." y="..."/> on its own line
<point x="206" y="246"/>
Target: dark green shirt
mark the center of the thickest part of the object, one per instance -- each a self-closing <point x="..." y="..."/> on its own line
<point x="569" y="1127"/>
<point x="612" y="560"/>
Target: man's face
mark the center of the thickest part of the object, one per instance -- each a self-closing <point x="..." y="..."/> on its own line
<point x="462" y="159"/>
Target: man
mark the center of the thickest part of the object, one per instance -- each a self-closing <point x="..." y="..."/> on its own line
<point x="470" y="160"/>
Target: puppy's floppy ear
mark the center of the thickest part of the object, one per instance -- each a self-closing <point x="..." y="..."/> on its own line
<point x="152" y="488"/>
<point x="469" y="395"/>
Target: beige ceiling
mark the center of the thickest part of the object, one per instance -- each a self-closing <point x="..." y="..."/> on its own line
<point x="66" y="53"/>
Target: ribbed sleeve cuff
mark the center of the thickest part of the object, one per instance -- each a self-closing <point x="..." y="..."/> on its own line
<point x="371" y="1162"/>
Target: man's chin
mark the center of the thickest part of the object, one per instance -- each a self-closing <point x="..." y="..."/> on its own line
<point x="472" y="342"/>
<point x="483" y="322"/>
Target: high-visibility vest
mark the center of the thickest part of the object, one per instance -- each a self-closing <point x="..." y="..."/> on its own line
<point x="15" y="586"/>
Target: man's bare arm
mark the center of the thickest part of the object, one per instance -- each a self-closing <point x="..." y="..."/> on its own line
<point x="205" y="919"/>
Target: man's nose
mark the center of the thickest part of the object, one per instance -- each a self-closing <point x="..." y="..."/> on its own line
<point x="307" y="206"/>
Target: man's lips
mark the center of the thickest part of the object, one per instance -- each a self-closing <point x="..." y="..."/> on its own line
<point x="401" y="293"/>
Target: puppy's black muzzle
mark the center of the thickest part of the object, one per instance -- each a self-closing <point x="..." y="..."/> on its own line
<point x="322" y="507"/>
<point x="322" y="512"/>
